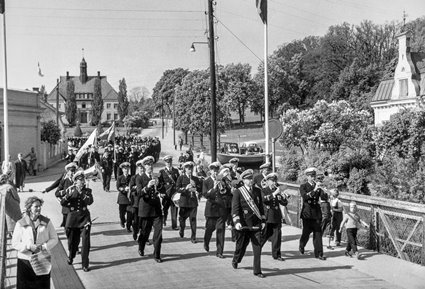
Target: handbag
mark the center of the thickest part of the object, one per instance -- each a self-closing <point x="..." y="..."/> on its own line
<point x="41" y="263"/>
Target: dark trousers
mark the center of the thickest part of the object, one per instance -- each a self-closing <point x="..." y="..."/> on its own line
<point x="191" y="214"/>
<point x="242" y="241"/>
<point x="167" y="203"/>
<point x="64" y="216"/>
<point x="335" y="224"/>
<point x="274" y="232"/>
<point x="106" y="177"/>
<point x="312" y="226"/>
<point x="217" y="224"/>
<point x="26" y="278"/>
<point x="351" y="240"/>
<point x="135" y="223"/>
<point x="124" y="215"/>
<point x="146" y="225"/>
<point x="326" y="222"/>
<point x="74" y="242"/>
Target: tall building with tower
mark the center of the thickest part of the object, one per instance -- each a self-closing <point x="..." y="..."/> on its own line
<point x="84" y="91"/>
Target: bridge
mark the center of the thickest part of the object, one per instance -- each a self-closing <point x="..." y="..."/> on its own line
<point x="115" y="263"/>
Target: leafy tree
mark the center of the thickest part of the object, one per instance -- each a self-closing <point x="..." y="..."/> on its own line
<point x="71" y="103"/>
<point x="239" y="88"/>
<point x="122" y="100"/>
<point x="164" y="90"/>
<point x="137" y="119"/>
<point x="97" y="102"/>
<point x="50" y="132"/>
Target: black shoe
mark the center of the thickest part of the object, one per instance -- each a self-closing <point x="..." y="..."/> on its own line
<point x="279" y="259"/>
<point x="206" y="247"/>
<point x="234" y="265"/>
<point x="220" y="256"/>
<point x="260" y="275"/>
<point x="175" y="228"/>
<point x="86" y="269"/>
<point x="135" y="236"/>
<point x="194" y="242"/>
<point x="129" y="230"/>
<point x="122" y="225"/>
<point x="70" y="261"/>
<point x="158" y="260"/>
<point x="323" y="258"/>
<point x="181" y="233"/>
<point x="141" y="253"/>
<point x="301" y="250"/>
<point x="164" y="224"/>
<point x="348" y="254"/>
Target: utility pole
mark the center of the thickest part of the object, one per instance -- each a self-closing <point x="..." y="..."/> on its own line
<point x="213" y="139"/>
<point x="57" y="101"/>
<point x="5" y="107"/>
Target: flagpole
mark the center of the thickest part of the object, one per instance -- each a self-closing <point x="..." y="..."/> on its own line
<point x="5" y="109"/>
<point x="266" y="90"/>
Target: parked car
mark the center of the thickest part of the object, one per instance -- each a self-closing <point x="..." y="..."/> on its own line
<point x="250" y="148"/>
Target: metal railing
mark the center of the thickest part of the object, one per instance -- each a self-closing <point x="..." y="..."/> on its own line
<point x="396" y="228"/>
<point x="3" y="241"/>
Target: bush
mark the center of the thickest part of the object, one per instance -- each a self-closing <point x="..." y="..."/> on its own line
<point x="358" y="181"/>
<point x="50" y="132"/>
<point x="78" y="132"/>
<point x="290" y="163"/>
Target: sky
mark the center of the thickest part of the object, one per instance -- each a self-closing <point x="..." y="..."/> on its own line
<point x="139" y="39"/>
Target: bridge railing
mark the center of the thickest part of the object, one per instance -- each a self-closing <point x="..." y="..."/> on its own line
<point x="396" y="228"/>
<point x="3" y="241"/>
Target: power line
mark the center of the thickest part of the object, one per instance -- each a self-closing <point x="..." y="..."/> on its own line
<point x="103" y="18"/>
<point x="107" y="10"/>
<point x="246" y="46"/>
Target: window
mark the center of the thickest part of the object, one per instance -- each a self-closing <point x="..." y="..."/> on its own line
<point x="108" y="105"/>
<point x="108" y="116"/>
<point x="83" y="105"/>
<point x="404" y="91"/>
<point x="115" y="105"/>
<point x="115" y="116"/>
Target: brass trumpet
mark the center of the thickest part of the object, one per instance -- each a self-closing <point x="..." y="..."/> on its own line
<point x="276" y="187"/>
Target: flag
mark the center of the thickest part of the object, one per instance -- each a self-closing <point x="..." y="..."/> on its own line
<point x="110" y="132"/>
<point x="262" y="9"/>
<point x="90" y="141"/>
<point x="2" y="6"/>
<point x="39" y="69"/>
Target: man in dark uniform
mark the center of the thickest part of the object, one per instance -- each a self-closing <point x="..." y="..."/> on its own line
<point x="273" y="196"/>
<point x="215" y="191"/>
<point x="123" y="201"/>
<point x="150" y="211"/>
<point x="78" y="222"/>
<point x="234" y="163"/>
<point x="134" y="199"/>
<point x="168" y="179"/>
<point x="70" y="156"/>
<point x="249" y="219"/>
<point x="133" y="157"/>
<point x="120" y="158"/>
<point x="106" y="164"/>
<point x="260" y="179"/>
<point x="84" y="159"/>
<point x="189" y="187"/>
<point x="311" y="214"/>
<point x="64" y="184"/>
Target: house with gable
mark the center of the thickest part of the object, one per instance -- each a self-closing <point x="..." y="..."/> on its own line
<point x="84" y="91"/>
<point x="406" y="89"/>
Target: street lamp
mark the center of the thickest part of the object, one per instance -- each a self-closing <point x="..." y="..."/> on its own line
<point x="192" y="47"/>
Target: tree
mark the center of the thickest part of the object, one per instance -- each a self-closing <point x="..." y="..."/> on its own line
<point x="122" y="100"/>
<point x="78" y="132"/>
<point x="137" y="119"/>
<point x="71" y="103"/>
<point x="97" y="102"/>
<point x="164" y="90"/>
<point x="239" y="88"/>
<point x="50" y="132"/>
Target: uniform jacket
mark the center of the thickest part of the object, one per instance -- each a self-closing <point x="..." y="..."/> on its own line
<point x="216" y="201"/>
<point x="188" y="199"/>
<point x="168" y="179"/>
<point x="149" y="201"/>
<point x="107" y="165"/>
<point x="123" y="195"/>
<point x="242" y="213"/>
<point x="77" y="202"/>
<point x="64" y="184"/>
<point x="23" y="236"/>
<point x="311" y="206"/>
<point x="271" y="206"/>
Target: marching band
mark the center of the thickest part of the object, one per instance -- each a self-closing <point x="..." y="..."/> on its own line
<point x="249" y="205"/>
